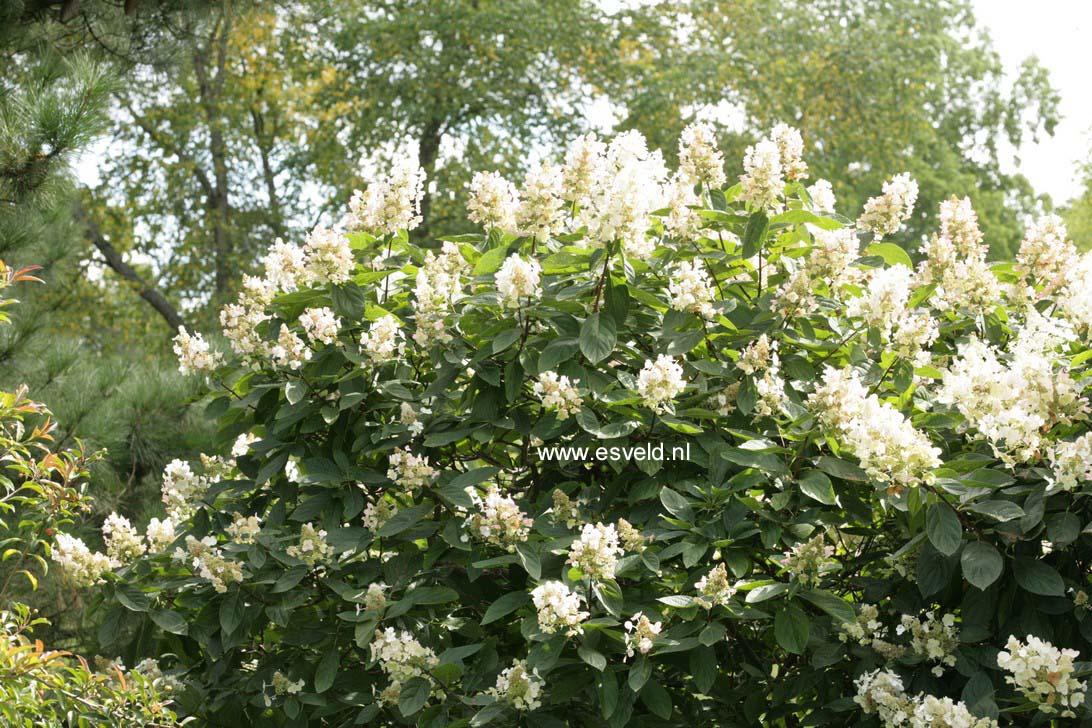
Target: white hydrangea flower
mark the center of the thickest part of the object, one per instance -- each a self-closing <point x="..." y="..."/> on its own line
<point x="700" y="161"/>
<point x="329" y="256"/>
<point x="934" y="639"/>
<point x="790" y="145"/>
<point x="763" y="182"/>
<point x="375" y="598"/>
<point x="194" y="353"/>
<point x="518" y="279"/>
<point x="583" y="168"/>
<point x="290" y="350"/>
<point x="759" y="355"/>
<point x="321" y="325"/>
<point x="822" y="196"/>
<point x="208" y="560"/>
<point x="244" y="529"/>
<point x="691" y="290"/>
<point x="242" y="444"/>
<point x="933" y="712"/>
<point x="401" y="656"/>
<point x="123" y="541"/>
<point x="914" y="334"/>
<point x="1046" y="253"/>
<point x="312" y="548"/>
<point x="808" y="560"/>
<point x="389" y="204"/>
<point x="885" y="298"/>
<point x="557" y="393"/>
<point x="715" y="588"/>
<point x="682" y="222"/>
<point x="890" y="449"/>
<point x="439" y="280"/>
<point x="377" y="513"/>
<point x="383" y="341"/>
<point x="410" y="471"/>
<point x="411" y="418"/>
<point x="1073" y="300"/>
<point x="498" y="519"/>
<point x="832" y="255"/>
<point x="80" y="564"/>
<point x="1043" y="674"/>
<point x="558" y="608"/>
<point x="160" y="534"/>
<point x="539" y="214"/>
<point x="1071" y="462"/>
<point x="519" y="686"/>
<point x="884" y="215"/>
<point x="494" y="201"/>
<point x="626" y="189"/>
<point x="282" y="685"/>
<point x="181" y="489"/>
<point x="959" y="224"/>
<point x="659" y="382"/>
<point x="285" y="266"/>
<point x="596" y="552"/>
<point x="882" y="692"/>
<point x="641" y="634"/>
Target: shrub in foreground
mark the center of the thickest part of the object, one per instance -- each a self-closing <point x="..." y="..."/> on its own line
<point x="868" y="508"/>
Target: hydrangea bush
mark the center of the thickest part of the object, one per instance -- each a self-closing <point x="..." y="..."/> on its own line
<point x="805" y="477"/>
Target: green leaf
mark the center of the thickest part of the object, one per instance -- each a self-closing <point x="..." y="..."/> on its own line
<point x="295" y="391"/>
<point x="1000" y="510"/>
<point x="755" y="234"/>
<point x="1037" y="577"/>
<point x="817" y="486"/>
<point x="404" y="519"/>
<point x="766" y="461"/>
<point x="892" y="254"/>
<point x="943" y="528"/>
<point x="676" y="504"/>
<point x="504" y="606"/>
<point x="472" y="477"/>
<point x="592" y="657"/>
<point x="791" y="629"/>
<point x="639" y="673"/>
<point x="609" y="595"/>
<point x="488" y="714"/>
<point x="656" y="699"/>
<point x="835" y="606"/>
<point x="327" y="670"/>
<point x="231" y="611"/>
<point x="414" y="695"/>
<point x="169" y="621"/>
<point x="132" y="598"/>
<point x="981" y="563"/>
<point x="703" y="666"/>
<point x="608" y="694"/>
<point x="598" y="336"/>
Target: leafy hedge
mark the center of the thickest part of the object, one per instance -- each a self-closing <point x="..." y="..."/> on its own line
<point x="879" y="478"/>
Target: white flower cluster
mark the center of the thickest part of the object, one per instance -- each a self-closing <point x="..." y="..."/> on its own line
<point x="389" y="204"/>
<point x="956" y="261"/>
<point x="411" y="418"/>
<point x="312" y="548"/>
<point x="377" y="513"/>
<point x="882" y="692"/>
<point x="715" y="588"/>
<point x="631" y="537"/>
<point x="494" y="201"/>
<point x="822" y="196"/>
<point x="808" y="560"/>
<point x="80" y="564"/>
<point x="498" y="520"/>
<point x="518" y="279"/>
<point x="790" y="145"/>
<point x="328" y="256"/>
<point x="596" y="552"/>
<point x="160" y="534"/>
<point x="616" y="188"/>
<point x="700" y="162"/>
<point x="123" y="542"/>
<point x="181" y="489"/>
<point x="539" y="214"/>
<point x="283" y="685"/>
<point x="558" y="608"/>
<point x="194" y="353"/>
<point x="1074" y="299"/>
<point x="321" y="325"/>
<point x="239" y="321"/>
<point x="1046" y="253"/>
<point x="890" y="449"/>
<point x="641" y="634"/>
<point x="557" y="393"/>
<point x="519" y="686"/>
<point x="760" y="357"/>
<point x="691" y="290"/>
<point x="209" y="561"/>
<point x="375" y="598"/>
<point x="1014" y="398"/>
<point x="383" y="341"/>
<point x="410" y="471"/>
<point x="884" y="214"/>
<point x="402" y="658"/>
<point x="244" y="529"/>
<point x="1071" y="462"/>
<point x="1043" y="674"/>
<point x="439" y="281"/>
<point x="934" y="639"/>
<point x="884" y="299"/>
<point x="564" y="510"/>
<point x="832" y="255"/>
<point x="763" y="181"/>
<point x="659" y="382"/>
<point x="290" y="350"/>
<point x="682" y="221"/>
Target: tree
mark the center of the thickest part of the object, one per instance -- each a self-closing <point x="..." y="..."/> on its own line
<point x="439" y="496"/>
<point x="874" y="87"/>
<point x="1077" y="213"/>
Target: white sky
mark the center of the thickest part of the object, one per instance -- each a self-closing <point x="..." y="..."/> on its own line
<point x="1057" y="31"/>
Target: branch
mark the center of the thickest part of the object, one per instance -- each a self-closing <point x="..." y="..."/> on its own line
<point x="114" y="259"/>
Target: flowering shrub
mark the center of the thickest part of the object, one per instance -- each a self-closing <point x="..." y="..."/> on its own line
<point x="877" y="517"/>
<point x="43" y="487"/>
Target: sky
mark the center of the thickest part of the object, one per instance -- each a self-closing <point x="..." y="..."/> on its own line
<point x="1057" y="31"/>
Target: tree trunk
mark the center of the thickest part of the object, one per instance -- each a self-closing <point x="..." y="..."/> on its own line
<point x="428" y="151"/>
